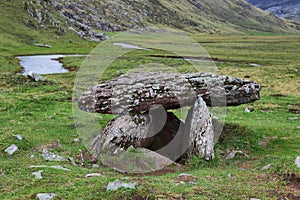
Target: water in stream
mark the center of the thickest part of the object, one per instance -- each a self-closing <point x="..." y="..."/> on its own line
<point x="42" y="64"/>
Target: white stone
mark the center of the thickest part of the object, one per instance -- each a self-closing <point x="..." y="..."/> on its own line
<point x="46" y="196"/>
<point x="49" y="156"/>
<point x="18" y="136"/>
<point x="297" y="161"/>
<point x="11" y="149"/>
<point x="232" y="154"/>
<point x="117" y="184"/>
<point x="38" y="174"/>
<point x="93" y="175"/>
<point x="267" y="167"/>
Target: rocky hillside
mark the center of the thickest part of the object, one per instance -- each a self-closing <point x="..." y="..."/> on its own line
<point x="205" y="16"/>
<point x="289" y="9"/>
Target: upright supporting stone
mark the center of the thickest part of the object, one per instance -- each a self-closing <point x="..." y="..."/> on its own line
<point x="200" y="129"/>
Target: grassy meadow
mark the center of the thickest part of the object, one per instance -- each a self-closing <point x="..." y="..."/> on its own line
<point x="42" y="113"/>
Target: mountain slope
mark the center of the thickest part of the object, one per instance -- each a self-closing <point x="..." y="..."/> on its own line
<point x="289" y="9"/>
<point x="206" y="16"/>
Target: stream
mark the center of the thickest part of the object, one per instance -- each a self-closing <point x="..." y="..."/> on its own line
<point x="43" y="64"/>
<point x="49" y="64"/>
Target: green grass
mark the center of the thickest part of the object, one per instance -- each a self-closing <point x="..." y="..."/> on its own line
<point x="42" y="113"/>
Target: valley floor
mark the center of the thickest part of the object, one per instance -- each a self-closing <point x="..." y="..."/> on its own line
<point x="42" y="113"/>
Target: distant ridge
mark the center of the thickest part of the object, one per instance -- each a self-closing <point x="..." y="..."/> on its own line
<point x="289" y="9"/>
<point x="205" y="16"/>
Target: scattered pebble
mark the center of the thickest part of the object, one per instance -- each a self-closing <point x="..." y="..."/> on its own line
<point x="93" y="175"/>
<point x="117" y="184"/>
<point x="293" y="118"/>
<point x="76" y="140"/>
<point x="297" y="161"/>
<point x="52" y="167"/>
<point x="249" y="110"/>
<point x="230" y="176"/>
<point x="43" y="45"/>
<point x="3" y="109"/>
<point x="298" y="127"/>
<point x="267" y="167"/>
<point x="254" y="65"/>
<point x="72" y="161"/>
<point x="18" y="136"/>
<point x="95" y="166"/>
<point x="11" y="149"/>
<point x="45" y="196"/>
<point x="38" y="174"/>
<point x="59" y="144"/>
<point x="232" y="154"/>
<point x="49" y="156"/>
<point x="36" y="77"/>
<point x="254" y="199"/>
<point x="186" y="178"/>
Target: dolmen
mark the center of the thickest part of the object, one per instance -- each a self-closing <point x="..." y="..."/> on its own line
<point x="143" y="103"/>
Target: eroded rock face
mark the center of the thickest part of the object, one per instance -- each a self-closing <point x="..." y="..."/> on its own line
<point x="72" y="14"/>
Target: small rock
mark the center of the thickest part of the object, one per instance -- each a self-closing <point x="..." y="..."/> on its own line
<point x="230" y="176"/>
<point x="59" y="167"/>
<point x="59" y="144"/>
<point x="254" y="199"/>
<point x="293" y="118"/>
<point x="297" y="161"/>
<point x="36" y="77"/>
<point x="95" y="166"/>
<point x="76" y="140"/>
<point x="232" y="154"/>
<point x="11" y="149"/>
<point x="249" y="110"/>
<point x="52" y="167"/>
<point x="49" y="156"/>
<point x="117" y="184"/>
<point x="18" y="136"/>
<point x="45" y="196"/>
<point x="72" y="161"/>
<point x="254" y="65"/>
<point x="298" y="127"/>
<point x="38" y="174"/>
<point x="93" y="175"/>
<point x="3" y="109"/>
<point x="267" y="167"/>
<point x="186" y="178"/>
<point x="43" y="45"/>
